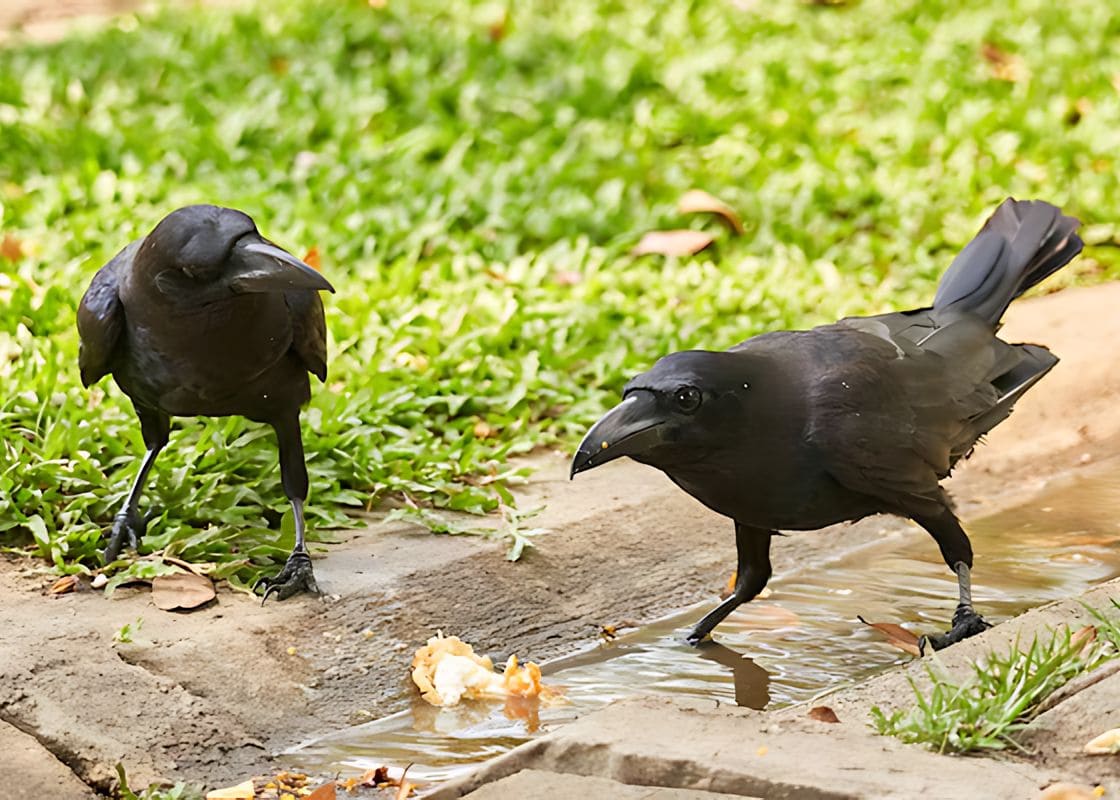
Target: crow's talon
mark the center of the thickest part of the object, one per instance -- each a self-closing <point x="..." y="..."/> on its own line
<point x="966" y="623"/>
<point x="296" y="576"/>
<point x="128" y="529"/>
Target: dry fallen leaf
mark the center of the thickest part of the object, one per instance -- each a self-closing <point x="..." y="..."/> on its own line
<point x="823" y="714"/>
<point x="1070" y="791"/>
<point x="1104" y="745"/>
<point x="897" y="636"/>
<point x="325" y="792"/>
<point x="242" y="791"/>
<point x="64" y="584"/>
<point x="729" y="589"/>
<point x="1083" y="639"/>
<point x="181" y="590"/>
<point x="11" y="248"/>
<point x="680" y="242"/>
<point x="1004" y="66"/>
<point x="313" y="260"/>
<point x="696" y="201"/>
<point x="404" y="788"/>
<point x="499" y="27"/>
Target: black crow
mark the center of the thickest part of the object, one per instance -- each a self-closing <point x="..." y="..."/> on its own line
<point x="206" y="317"/>
<point x="802" y="429"/>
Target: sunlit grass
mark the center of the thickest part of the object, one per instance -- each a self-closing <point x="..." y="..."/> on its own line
<point x="474" y="191"/>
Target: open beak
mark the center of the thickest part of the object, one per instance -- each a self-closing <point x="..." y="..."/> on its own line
<point x="264" y="267"/>
<point x="630" y="428"/>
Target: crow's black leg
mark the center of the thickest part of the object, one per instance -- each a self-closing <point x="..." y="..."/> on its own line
<point x="297" y="575"/>
<point x="128" y="525"/>
<point x="957" y="552"/>
<point x="753" y="547"/>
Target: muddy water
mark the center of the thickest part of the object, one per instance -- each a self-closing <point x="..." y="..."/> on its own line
<point x="801" y="640"/>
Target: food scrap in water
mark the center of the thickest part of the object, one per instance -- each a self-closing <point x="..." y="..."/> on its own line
<point x="447" y="670"/>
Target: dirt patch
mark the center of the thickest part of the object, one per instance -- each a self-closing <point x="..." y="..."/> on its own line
<point x="209" y="696"/>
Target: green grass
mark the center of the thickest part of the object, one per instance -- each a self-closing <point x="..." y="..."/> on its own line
<point x="1002" y="696"/>
<point x="474" y="198"/>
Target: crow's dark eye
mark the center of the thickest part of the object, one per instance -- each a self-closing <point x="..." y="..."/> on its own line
<point x="687" y="399"/>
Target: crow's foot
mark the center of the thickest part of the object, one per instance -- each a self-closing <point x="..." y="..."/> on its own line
<point x="128" y="529"/>
<point x="966" y="623"/>
<point x="696" y="638"/>
<point x="297" y="576"/>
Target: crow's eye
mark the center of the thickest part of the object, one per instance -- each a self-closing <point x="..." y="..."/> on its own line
<point x="687" y="399"/>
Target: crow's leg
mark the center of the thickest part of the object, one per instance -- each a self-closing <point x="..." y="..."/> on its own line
<point x="957" y="552"/>
<point x="128" y="525"/>
<point x="753" y="546"/>
<point x="297" y="575"/>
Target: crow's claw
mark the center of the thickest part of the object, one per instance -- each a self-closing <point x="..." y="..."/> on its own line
<point x="694" y="640"/>
<point x="966" y="623"/>
<point x="296" y="576"/>
<point x="128" y="529"/>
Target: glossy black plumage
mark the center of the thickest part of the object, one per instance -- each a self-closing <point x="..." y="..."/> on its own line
<point x="205" y="317"/>
<point x="803" y="429"/>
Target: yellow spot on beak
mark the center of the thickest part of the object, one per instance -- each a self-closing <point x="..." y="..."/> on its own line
<point x="604" y="446"/>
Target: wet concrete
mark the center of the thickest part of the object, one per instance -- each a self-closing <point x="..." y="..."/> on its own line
<point x="802" y="640"/>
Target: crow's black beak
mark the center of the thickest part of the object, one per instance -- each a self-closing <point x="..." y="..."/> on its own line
<point x="261" y="266"/>
<point x="630" y="428"/>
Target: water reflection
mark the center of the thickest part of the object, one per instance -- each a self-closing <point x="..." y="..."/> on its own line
<point x="751" y="682"/>
<point x="802" y="639"/>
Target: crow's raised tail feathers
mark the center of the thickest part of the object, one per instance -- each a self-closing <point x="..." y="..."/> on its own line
<point x="1022" y="243"/>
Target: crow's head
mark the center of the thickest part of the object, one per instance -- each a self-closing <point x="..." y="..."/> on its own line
<point x="677" y="413"/>
<point x="209" y="246"/>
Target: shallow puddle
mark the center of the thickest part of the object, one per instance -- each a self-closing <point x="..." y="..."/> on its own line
<point x="802" y="640"/>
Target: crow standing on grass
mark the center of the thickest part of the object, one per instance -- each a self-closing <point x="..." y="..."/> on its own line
<point x="206" y="317"/>
<point x="803" y="429"/>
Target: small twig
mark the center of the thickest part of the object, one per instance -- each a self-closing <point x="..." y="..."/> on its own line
<point x="1078" y="684"/>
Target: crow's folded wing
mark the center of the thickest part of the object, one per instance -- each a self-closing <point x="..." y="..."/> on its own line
<point x="889" y="418"/>
<point x="101" y="317"/>
<point x="309" y="330"/>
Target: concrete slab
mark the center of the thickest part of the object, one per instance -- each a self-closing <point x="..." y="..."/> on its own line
<point x="536" y="783"/>
<point x="33" y="772"/>
<point x="687" y="745"/>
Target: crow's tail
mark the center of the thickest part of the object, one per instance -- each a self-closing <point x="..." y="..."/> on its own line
<point x="1023" y="242"/>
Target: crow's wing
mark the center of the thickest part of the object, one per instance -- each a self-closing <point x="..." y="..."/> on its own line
<point x="309" y="330"/>
<point x="892" y="411"/>
<point x="101" y="317"/>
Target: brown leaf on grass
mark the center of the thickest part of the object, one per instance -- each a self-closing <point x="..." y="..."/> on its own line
<point x="1104" y="745"/>
<point x="499" y="27"/>
<point x="823" y="714"/>
<point x="11" y="248"/>
<point x="679" y="242"/>
<point x="1003" y="66"/>
<point x="325" y="792"/>
<point x="313" y="260"/>
<point x="697" y="201"/>
<point x="181" y="590"/>
<point x="1083" y="639"/>
<point x="64" y="584"/>
<point x="897" y="636"/>
<point x="242" y="791"/>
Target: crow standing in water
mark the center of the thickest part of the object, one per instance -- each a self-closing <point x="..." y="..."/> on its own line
<point x="206" y="317"/>
<point x="803" y="429"/>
